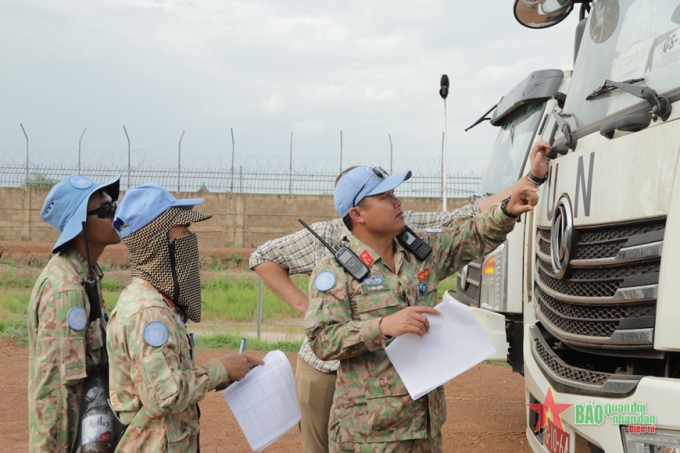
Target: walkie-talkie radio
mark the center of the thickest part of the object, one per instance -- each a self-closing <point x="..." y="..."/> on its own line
<point x="347" y="258"/>
<point x="411" y="242"/>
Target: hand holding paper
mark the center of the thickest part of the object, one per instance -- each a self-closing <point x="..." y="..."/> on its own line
<point x="408" y="320"/>
<point x="454" y="343"/>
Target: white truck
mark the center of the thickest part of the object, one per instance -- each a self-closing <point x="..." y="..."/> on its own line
<point x="602" y="318"/>
<point x="492" y="286"/>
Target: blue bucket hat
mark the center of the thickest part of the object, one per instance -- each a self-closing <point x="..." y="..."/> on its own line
<point x="362" y="182"/>
<point x="65" y="207"/>
<point x="141" y="205"/>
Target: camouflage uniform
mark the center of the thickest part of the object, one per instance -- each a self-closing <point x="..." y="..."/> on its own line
<point x="298" y="253"/>
<point x="155" y="389"/>
<point x="371" y="404"/>
<point x="59" y="356"/>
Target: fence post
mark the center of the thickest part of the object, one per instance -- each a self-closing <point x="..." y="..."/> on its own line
<point x="259" y="307"/>
<point x="128" y="140"/>
<point x="79" y="142"/>
<point x="340" y="152"/>
<point x="390" y="137"/>
<point x="25" y="135"/>
<point x="233" y="148"/>
<point x="179" y="160"/>
<point x="290" y="171"/>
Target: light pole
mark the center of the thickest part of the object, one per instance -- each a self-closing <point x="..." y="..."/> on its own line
<point x="444" y="92"/>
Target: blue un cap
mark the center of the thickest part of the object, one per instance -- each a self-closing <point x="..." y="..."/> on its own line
<point x="362" y="182"/>
<point x="65" y="207"/>
<point x="143" y="204"/>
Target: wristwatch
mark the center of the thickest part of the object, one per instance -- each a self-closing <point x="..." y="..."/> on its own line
<point x="535" y="179"/>
<point x="504" y="208"/>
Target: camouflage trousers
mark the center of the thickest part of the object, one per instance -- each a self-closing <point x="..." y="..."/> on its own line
<point x="427" y="445"/>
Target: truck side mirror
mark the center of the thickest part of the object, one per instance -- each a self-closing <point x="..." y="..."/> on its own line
<point x="542" y="13"/>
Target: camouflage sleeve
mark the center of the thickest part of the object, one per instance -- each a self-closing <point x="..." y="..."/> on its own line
<point x="422" y="220"/>
<point x="56" y="341"/>
<point x="163" y="385"/>
<point x="468" y="239"/>
<point x="332" y="331"/>
<point x="298" y="252"/>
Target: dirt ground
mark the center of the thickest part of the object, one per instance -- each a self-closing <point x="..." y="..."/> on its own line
<point x="485" y="407"/>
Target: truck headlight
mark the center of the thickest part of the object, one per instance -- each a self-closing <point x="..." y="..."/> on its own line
<point x="661" y="440"/>
<point x="493" y="288"/>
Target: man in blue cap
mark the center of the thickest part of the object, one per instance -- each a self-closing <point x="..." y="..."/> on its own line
<point x="155" y="386"/>
<point x="352" y="320"/>
<point x="63" y="343"/>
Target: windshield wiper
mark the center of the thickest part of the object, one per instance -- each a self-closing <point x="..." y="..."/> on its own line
<point x="483" y="118"/>
<point x="660" y="106"/>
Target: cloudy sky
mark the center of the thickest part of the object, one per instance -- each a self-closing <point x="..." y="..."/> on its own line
<point x="264" y="69"/>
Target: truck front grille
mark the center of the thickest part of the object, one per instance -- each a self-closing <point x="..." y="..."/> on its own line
<point x="607" y="299"/>
<point x="567" y="378"/>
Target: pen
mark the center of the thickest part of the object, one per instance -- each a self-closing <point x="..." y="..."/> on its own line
<point x="243" y="346"/>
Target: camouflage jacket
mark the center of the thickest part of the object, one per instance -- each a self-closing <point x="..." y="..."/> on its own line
<point x="155" y="388"/>
<point x="59" y="356"/>
<point x="371" y="403"/>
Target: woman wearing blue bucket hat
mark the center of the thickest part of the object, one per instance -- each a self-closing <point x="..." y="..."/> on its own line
<point x="63" y="343"/>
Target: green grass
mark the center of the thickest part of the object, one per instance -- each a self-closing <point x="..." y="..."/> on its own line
<point x="226" y="341"/>
<point x="447" y="284"/>
<point x="112" y="285"/>
<point x="227" y="299"/>
<point x="11" y="278"/>
<point x="235" y="299"/>
<point x="13" y="304"/>
<point x="16" y="330"/>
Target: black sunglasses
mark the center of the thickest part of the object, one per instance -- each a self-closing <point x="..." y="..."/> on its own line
<point x="376" y="171"/>
<point x="105" y="211"/>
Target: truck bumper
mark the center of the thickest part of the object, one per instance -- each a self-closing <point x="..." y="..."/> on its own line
<point x="660" y="395"/>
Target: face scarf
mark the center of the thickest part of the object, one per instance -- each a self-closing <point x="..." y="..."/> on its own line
<point x="172" y="267"/>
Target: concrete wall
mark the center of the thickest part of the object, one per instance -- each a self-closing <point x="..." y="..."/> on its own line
<point x="240" y="220"/>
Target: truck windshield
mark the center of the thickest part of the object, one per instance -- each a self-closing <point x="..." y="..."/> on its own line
<point x="624" y="40"/>
<point x="510" y="150"/>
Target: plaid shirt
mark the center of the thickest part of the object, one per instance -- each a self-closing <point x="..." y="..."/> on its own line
<point x="299" y="252"/>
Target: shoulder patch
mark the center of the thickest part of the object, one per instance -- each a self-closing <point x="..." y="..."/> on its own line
<point x="156" y="334"/>
<point x="324" y="281"/>
<point x="433" y="230"/>
<point x="77" y="318"/>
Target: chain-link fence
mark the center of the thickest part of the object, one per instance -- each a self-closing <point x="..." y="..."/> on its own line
<point x="250" y="174"/>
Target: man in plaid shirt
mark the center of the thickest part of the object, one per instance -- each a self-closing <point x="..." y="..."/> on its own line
<point x="298" y="253"/>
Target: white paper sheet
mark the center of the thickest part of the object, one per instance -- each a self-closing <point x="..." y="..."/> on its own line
<point x="455" y="343"/>
<point x="265" y="402"/>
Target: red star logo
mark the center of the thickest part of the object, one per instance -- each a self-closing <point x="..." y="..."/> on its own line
<point x="549" y="410"/>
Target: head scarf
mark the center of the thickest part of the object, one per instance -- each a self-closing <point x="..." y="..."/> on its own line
<point x="171" y="266"/>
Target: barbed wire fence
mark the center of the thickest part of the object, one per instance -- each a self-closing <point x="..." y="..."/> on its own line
<point x="238" y="174"/>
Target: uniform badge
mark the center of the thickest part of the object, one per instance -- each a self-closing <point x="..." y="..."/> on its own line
<point x="373" y="280"/>
<point x="424" y="274"/>
<point x="156" y="334"/>
<point x="366" y="258"/>
<point x="373" y="284"/>
<point x="433" y="230"/>
<point x="324" y="281"/>
<point x="422" y="288"/>
<point x="77" y="318"/>
<point x="80" y="182"/>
